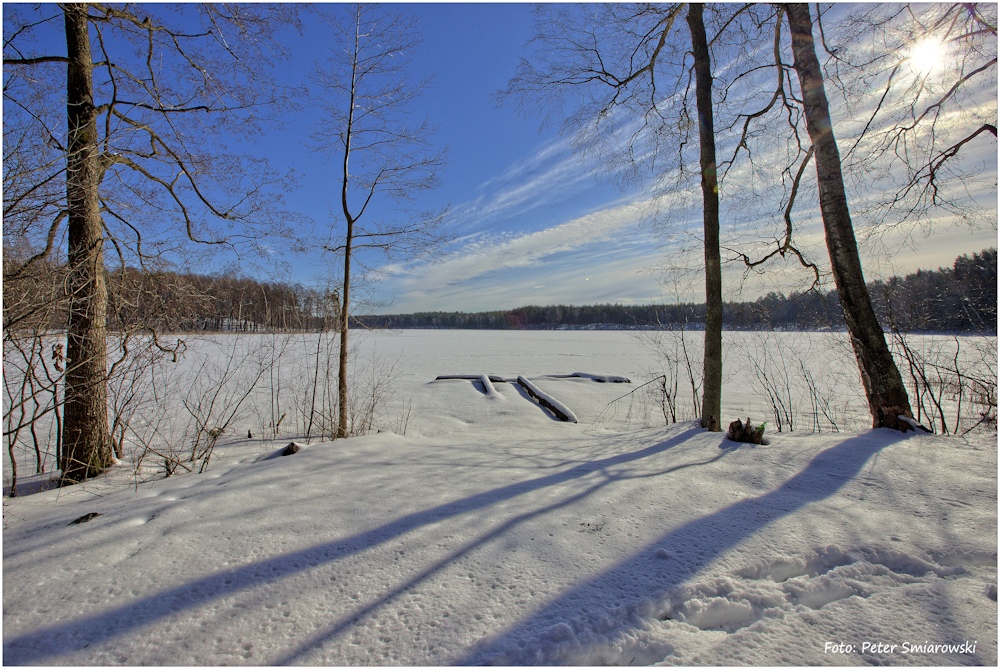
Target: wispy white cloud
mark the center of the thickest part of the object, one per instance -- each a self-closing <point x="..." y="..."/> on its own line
<point x="549" y="175"/>
<point x="528" y="249"/>
<point x="525" y="240"/>
<point x="515" y="263"/>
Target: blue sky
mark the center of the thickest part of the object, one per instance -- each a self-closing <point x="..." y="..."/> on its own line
<point x="534" y="221"/>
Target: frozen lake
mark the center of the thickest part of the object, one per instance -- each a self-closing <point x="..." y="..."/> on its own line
<point x="756" y="365"/>
<point x="249" y="384"/>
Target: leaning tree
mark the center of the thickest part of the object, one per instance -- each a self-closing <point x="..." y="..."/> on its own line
<point x="782" y="115"/>
<point x="887" y="399"/>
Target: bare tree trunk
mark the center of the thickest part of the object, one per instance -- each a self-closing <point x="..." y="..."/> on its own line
<point x="883" y="384"/>
<point x="343" y="429"/>
<point x="711" y="405"/>
<point x="345" y="296"/>
<point x="86" y="447"/>
<point x="371" y="92"/>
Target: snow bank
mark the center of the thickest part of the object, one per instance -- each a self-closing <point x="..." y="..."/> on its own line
<point x="531" y="547"/>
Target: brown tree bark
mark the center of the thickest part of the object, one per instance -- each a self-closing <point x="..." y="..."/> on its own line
<point x="711" y="405"/>
<point x="887" y="398"/>
<point x="343" y="412"/>
<point x="86" y="448"/>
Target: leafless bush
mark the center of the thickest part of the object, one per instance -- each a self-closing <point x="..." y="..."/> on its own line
<point x="767" y="357"/>
<point x="820" y="400"/>
<point x="33" y="306"/>
<point x="982" y="382"/>
<point x="132" y="381"/>
<point x="315" y="402"/>
<point x="219" y="393"/>
<point x="665" y="396"/>
<point x="372" y="381"/>
<point x="277" y="411"/>
<point x="802" y="377"/>
<point x="676" y="357"/>
<point x="645" y="405"/>
<point x="32" y="401"/>
<point x="952" y="381"/>
<point x="398" y="423"/>
<point x="150" y="431"/>
<point x="222" y="385"/>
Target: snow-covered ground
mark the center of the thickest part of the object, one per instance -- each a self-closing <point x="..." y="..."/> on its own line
<point x="493" y="533"/>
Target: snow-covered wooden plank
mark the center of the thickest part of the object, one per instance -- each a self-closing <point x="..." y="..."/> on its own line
<point x="600" y="378"/>
<point x="495" y="378"/>
<point x="561" y="411"/>
<point x="488" y="387"/>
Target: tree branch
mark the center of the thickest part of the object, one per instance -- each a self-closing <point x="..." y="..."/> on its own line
<point x="35" y="61"/>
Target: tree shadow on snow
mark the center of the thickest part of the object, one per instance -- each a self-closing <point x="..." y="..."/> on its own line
<point x="298" y="655"/>
<point x="578" y="617"/>
<point x="46" y="644"/>
<point x="30" y="485"/>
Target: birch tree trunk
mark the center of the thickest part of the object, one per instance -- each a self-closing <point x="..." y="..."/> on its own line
<point x="887" y="398"/>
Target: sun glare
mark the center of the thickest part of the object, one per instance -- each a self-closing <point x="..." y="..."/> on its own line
<point x="927" y="55"/>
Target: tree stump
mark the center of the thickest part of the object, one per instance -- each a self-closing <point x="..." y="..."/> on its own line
<point x="746" y="433"/>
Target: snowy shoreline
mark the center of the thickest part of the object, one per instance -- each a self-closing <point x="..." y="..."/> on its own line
<point x="493" y="533"/>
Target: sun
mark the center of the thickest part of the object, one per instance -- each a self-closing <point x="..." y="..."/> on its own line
<point x="926" y="56"/>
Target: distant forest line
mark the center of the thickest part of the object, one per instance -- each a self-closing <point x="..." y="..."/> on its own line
<point x="961" y="298"/>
